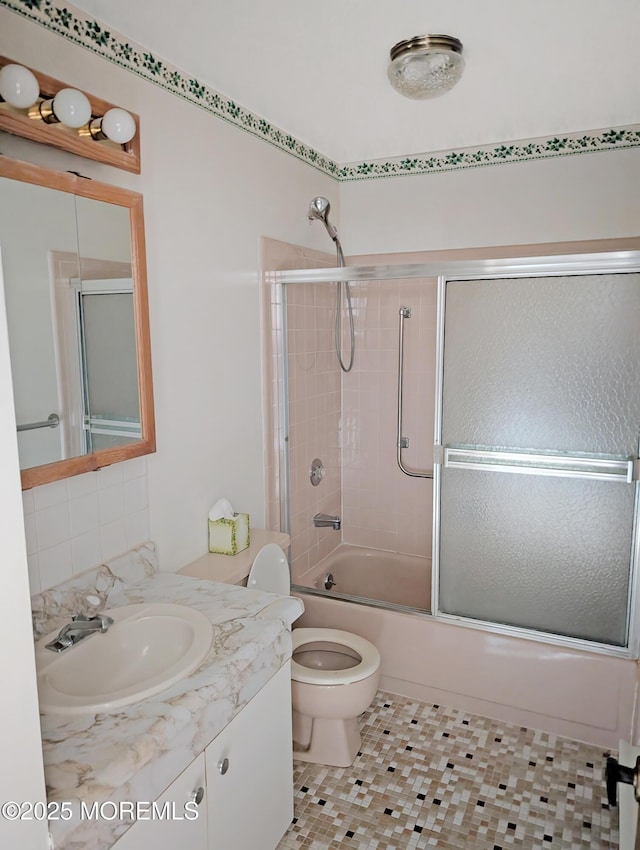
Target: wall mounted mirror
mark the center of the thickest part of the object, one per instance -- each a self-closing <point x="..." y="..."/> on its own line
<point x="73" y="264"/>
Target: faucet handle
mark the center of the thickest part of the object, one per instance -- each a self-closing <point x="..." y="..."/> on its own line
<point x="102" y="618"/>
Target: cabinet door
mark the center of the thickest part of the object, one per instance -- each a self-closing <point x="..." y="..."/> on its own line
<point x="250" y="772"/>
<point x="171" y="826"/>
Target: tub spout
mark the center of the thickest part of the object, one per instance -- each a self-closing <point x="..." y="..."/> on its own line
<point x="326" y="521"/>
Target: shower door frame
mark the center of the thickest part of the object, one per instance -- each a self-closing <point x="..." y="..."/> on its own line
<point x="609" y="262"/>
<point x="582" y="265"/>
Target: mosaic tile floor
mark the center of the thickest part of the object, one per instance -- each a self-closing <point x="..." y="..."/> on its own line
<point x="430" y="776"/>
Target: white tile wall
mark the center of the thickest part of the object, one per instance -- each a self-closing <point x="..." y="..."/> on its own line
<point x="80" y="522"/>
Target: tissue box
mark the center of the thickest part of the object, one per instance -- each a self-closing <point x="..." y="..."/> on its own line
<point x="229" y="536"/>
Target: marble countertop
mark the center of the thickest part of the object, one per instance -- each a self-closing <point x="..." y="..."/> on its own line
<point x="134" y="753"/>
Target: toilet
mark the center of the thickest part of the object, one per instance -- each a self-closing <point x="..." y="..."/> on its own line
<point x="334" y="676"/>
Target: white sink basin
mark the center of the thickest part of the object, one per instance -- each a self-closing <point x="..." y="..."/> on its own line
<point x="149" y="647"/>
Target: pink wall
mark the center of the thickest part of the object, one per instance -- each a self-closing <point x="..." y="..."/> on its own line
<point x="314" y="421"/>
<point x="349" y="419"/>
<point x="314" y="404"/>
<point x="382" y="507"/>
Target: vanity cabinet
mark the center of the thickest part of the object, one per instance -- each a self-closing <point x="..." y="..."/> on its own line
<point x="250" y="772"/>
<point x="243" y="779"/>
<point x="177" y="829"/>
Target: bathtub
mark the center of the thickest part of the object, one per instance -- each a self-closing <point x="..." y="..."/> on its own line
<point x="375" y="576"/>
<point x="579" y="694"/>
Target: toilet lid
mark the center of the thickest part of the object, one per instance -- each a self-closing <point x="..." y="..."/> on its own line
<point x="270" y="571"/>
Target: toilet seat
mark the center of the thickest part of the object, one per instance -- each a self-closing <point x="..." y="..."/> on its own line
<point x="366" y="650"/>
<point x="270" y="572"/>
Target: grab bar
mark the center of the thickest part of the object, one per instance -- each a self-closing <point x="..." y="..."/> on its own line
<point x="403" y="442"/>
<point x="52" y="421"/>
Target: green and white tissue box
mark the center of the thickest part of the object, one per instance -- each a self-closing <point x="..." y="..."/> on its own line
<point x="229" y="536"/>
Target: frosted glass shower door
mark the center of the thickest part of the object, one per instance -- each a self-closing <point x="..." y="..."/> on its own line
<point x="540" y="424"/>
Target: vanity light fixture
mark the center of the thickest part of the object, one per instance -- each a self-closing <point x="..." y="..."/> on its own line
<point x="426" y="66"/>
<point x="45" y="110"/>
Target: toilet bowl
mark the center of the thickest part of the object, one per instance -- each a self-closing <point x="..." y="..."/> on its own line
<point x="334" y="676"/>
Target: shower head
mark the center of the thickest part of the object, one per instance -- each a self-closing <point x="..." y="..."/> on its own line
<point x="319" y="208"/>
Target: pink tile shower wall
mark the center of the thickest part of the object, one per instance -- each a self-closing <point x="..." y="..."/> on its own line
<point x="314" y="403"/>
<point x="314" y="421"/>
<point x="382" y="507"/>
<point x="349" y="420"/>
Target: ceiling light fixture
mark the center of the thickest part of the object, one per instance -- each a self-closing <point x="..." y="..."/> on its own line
<point x="426" y="65"/>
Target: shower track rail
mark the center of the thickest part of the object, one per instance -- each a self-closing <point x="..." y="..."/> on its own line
<point x="402" y="442"/>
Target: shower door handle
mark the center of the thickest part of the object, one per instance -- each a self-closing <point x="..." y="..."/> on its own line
<point x="402" y="442"/>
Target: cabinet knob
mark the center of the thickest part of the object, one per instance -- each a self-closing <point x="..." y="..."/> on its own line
<point x="223" y="766"/>
<point x="197" y="796"/>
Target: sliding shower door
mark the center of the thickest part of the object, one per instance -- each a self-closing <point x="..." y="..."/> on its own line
<point x="540" y="423"/>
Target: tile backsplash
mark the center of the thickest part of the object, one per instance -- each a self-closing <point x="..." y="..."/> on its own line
<point x="79" y="522"/>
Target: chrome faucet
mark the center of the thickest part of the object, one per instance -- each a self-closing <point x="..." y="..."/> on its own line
<point x="326" y="521"/>
<point x="78" y="629"/>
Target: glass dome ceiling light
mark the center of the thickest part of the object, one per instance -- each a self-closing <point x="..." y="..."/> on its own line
<point x="426" y="66"/>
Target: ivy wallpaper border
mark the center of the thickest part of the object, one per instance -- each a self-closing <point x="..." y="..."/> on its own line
<point x="75" y="26"/>
<point x="522" y="151"/>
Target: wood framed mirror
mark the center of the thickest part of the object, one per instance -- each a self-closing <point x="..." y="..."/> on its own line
<point x="72" y="260"/>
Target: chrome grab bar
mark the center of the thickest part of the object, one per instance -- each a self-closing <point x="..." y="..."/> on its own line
<point x="52" y="421"/>
<point x="401" y="441"/>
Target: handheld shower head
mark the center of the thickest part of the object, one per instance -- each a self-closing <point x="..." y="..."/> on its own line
<point x="319" y="209"/>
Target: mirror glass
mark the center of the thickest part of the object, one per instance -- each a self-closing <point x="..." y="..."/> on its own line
<point x="72" y="254"/>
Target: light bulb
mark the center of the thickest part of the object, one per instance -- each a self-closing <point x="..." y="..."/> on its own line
<point x="72" y="108"/>
<point x="118" y="126"/>
<point x="18" y="86"/>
